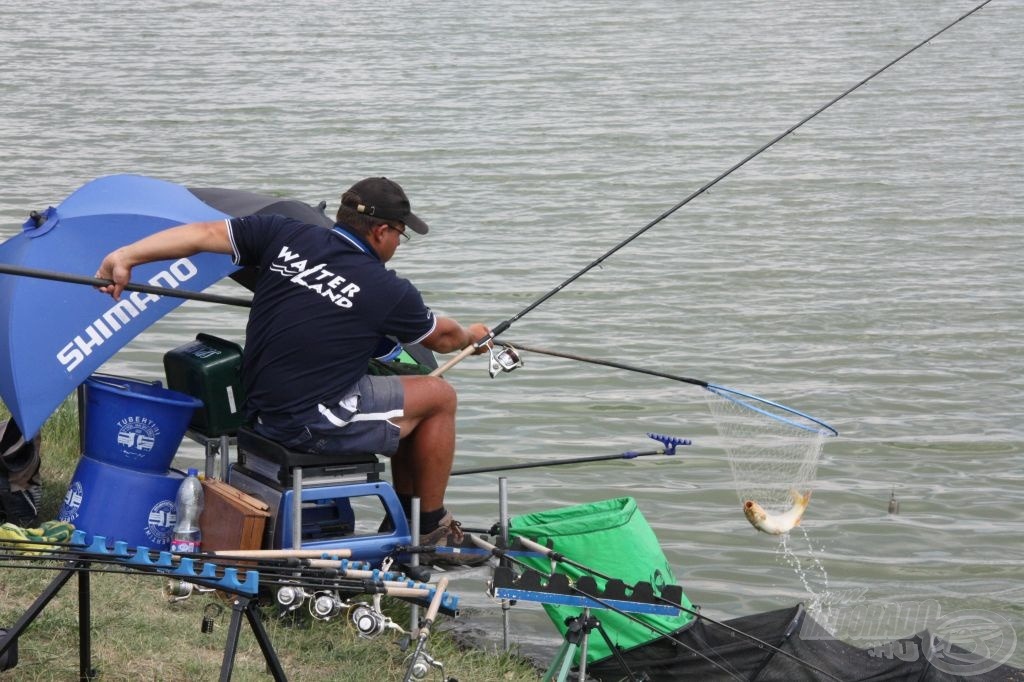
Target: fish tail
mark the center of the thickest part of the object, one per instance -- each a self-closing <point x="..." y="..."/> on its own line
<point x="801" y="500"/>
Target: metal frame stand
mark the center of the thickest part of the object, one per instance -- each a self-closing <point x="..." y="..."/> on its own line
<point x="576" y="636"/>
<point x="214" y="446"/>
<point x="242" y="605"/>
<point x="85" y="669"/>
<point x="503" y="521"/>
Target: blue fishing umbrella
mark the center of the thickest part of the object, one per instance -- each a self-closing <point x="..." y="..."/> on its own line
<point x="56" y="333"/>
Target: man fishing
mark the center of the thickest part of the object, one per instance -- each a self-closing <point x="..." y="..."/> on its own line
<point x="322" y="303"/>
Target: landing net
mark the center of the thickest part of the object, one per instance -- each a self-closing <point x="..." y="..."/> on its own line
<point x="772" y="449"/>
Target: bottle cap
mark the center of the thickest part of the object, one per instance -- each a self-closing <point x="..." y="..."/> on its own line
<point x="193" y="472"/>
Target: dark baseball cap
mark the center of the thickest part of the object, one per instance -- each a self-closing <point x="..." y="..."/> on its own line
<point x="383" y="198"/>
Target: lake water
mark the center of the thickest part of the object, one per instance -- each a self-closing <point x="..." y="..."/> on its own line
<point x="866" y="270"/>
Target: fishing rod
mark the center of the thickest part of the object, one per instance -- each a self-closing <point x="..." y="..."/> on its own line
<point x="606" y="363"/>
<point x="121" y="551"/>
<point x="228" y="582"/>
<point x="503" y="326"/>
<point x="7" y="269"/>
<point x="36" y="549"/>
<point x="272" y="568"/>
<point x="419" y="662"/>
<point x="629" y="454"/>
<point x="671" y="442"/>
<point x="277" y="573"/>
<point x="271" y="563"/>
<point x="561" y="558"/>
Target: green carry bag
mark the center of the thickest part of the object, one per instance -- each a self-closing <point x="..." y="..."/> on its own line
<point x="611" y="537"/>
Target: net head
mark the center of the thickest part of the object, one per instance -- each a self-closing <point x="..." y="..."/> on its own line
<point x="772" y="449"/>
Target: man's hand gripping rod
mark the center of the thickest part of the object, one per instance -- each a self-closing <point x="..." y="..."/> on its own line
<point x="471" y="349"/>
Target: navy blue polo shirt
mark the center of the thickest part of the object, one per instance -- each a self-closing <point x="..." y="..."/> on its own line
<point x="322" y="303"/>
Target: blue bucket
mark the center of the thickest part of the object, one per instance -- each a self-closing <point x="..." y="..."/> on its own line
<point x="135" y="424"/>
<point x="122" y="504"/>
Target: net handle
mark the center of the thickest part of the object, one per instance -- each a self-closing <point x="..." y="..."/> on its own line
<point x="722" y="391"/>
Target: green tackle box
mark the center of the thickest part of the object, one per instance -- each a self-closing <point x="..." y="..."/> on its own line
<point x="209" y="368"/>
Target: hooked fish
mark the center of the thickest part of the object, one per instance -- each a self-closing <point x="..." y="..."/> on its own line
<point x="780" y="523"/>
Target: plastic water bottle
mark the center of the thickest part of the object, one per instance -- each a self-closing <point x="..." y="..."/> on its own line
<point x="187" y="535"/>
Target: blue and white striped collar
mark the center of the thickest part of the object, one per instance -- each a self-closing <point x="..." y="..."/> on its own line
<point x="353" y="239"/>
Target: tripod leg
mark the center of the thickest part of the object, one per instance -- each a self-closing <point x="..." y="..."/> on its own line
<point x="37" y="606"/>
<point x="587" y="622"/>
<point x="231" y="646"/>
<point x="562" y="663"/>
<point x="269" y="655"/>
<point x="85" y="670"/>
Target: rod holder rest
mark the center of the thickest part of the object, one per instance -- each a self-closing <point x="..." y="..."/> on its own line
<point x="98" y="545"/>
<point x="186" y="568"/>
<point x="670" y="442"/>
<point x="230" y="582"/>
<point x="141" y="557"/>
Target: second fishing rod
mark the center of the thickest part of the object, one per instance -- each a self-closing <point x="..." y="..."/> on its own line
<point x="505" y="324"/>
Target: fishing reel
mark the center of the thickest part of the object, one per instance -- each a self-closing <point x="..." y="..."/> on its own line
<point x="323" y="605"/>
<point x="369" y="621"/>
<point x="290" y="597"/>
<point x="504" y="360"/>
<point x="326" y="605"/>
<point x="176" y="590"/>
<point x="421" y="664"/>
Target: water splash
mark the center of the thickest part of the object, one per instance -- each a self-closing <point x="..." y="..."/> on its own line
<point x="808" y="567"/>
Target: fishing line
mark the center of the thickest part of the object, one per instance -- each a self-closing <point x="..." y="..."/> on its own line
<point x="504" y="325"/>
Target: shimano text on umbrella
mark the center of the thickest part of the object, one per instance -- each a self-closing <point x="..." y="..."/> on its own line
<point x="121" y="313"/>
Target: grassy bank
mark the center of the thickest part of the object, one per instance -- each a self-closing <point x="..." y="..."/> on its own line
<point x="137" y="635"/>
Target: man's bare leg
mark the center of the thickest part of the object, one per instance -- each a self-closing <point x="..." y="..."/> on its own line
<point x="423" y="462"/>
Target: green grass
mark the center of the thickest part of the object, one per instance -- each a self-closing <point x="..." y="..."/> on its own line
<point x="138" y="635"/>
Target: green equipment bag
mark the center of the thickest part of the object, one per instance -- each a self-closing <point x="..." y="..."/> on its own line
<point x="611" y="537"/>
<point x="404" y="364"/>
